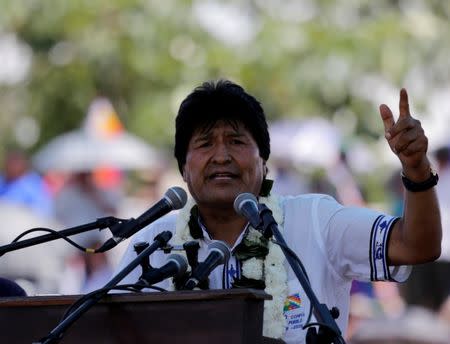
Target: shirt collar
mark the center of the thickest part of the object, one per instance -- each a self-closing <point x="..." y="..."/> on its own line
<point x="207" y="237"/>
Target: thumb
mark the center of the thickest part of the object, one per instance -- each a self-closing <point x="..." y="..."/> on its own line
<point x="388" y="119"/>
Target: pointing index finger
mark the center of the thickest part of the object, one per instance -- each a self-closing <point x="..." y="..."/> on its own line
<point x="404" y="104"/>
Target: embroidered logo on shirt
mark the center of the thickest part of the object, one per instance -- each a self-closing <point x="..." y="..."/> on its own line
<point x="294" y="314"/>
<point x="378" y="247"/>
<point x="292" y="302"/>
<point x="232" y="272"/>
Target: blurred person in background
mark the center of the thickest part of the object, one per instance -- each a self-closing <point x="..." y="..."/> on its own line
<point x="85" y="272"/>
<point x="287" y="181"/>
<point x="81" y="200"/>
<point x="363" y="307"/>
<point x="19" y="184"/>
<point x="396" y="190"/>
<point x="444" y="312"/>
<point x="416" y="325"/>
<point x="143" y="188"/>
<point x="341" y="177"/>
<point x="442" y="156"/>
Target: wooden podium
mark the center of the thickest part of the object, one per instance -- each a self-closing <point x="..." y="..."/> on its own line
<point x="186" y="317"/>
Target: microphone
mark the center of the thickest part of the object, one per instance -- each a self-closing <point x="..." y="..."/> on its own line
<point x="175" y="266"/>
<point x="174" y="198"/>
<point x="246" y="205"/>
<point x="191" y="248"/>
<point x="219" y="254"/>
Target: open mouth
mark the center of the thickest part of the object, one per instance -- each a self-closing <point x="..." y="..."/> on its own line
<point x="222" y="176"/>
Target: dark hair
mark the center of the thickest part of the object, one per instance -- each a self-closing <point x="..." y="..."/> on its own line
<point x="214" y="101"/>
<point x="442" y="154"/>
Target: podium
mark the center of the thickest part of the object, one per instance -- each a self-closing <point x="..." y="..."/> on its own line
<point x="186" y="317"/>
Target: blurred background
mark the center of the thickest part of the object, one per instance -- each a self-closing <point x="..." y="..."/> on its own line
<point x="89" y="91"/>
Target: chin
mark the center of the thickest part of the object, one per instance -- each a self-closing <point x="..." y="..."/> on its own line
<point x="220" y="198"/>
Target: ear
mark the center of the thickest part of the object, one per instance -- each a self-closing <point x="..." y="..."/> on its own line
<point x="265" y="169"/>
<point x="184" y="174"/>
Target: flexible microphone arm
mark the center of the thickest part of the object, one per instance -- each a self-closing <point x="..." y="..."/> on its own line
<point x="174" y="198"/>
<point x="99" y="224"/>
<point x="57" y="333"/>
<point x="329" y="332"/>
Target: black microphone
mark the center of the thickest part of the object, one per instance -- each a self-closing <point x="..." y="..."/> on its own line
<point x="174" y="198"/>
<point x="175" y="266"/>
<point x="191" y="248"/>
<point x="219" y="254"/>
<point x="246" y="205"/>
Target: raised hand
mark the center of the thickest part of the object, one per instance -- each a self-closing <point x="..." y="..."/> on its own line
<point x="407" y="139"/>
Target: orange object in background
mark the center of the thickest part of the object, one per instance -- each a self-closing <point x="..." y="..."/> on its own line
<point x="106" y="177"/>
<point x="102" y="119"/>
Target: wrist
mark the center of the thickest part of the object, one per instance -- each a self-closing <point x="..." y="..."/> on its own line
<point x="421" y="182"/>
<point x="419" y="172"/>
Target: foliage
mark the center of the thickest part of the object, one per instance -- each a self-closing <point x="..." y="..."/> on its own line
<point x="301" y="58"/>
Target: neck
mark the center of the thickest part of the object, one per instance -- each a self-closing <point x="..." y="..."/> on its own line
<point x="223" y="224"/>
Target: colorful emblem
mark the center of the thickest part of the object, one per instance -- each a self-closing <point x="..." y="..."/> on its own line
<point x="292" y="302"/>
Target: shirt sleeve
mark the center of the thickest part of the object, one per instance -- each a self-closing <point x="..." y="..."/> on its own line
<point x="356" y="241"/>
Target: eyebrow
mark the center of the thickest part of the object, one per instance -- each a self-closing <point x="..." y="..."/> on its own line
<point x="207" y="135"/>
<point x="202" y="137"/>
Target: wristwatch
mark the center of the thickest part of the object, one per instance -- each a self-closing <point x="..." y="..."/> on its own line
<point x="422" y="186"/>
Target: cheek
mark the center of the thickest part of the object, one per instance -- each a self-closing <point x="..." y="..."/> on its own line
<point x="263" y="171"/>
<point x="190" y="169"/>
<point x="258" y="171"/>
<point x="187" y="174"/>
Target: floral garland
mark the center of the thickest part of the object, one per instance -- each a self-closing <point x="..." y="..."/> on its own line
<point x="262" y="264"/>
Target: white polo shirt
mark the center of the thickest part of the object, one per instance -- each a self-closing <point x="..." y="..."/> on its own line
<point x="336" y="244"/>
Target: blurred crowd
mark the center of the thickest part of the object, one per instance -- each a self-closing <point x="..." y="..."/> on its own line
<point x="62" y="200"/>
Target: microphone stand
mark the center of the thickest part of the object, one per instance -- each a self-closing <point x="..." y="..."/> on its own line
<point x="57" y="333"/>
<point x="99" y="224"/>
<point x="328" y="332"/>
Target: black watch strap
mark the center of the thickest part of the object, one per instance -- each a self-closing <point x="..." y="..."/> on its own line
<point x="422" y="186"/>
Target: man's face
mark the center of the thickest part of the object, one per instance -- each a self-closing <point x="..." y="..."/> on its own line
<point x="221" y="163"/>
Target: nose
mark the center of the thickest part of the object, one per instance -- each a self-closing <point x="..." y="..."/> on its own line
<point x="221" y="154"/>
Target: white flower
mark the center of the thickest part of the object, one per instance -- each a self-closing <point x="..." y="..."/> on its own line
<point x="253" y="235"/>
<point x="275" y="278"/>
<point x="253" y="268"/>
<point x="272" y="269"/>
